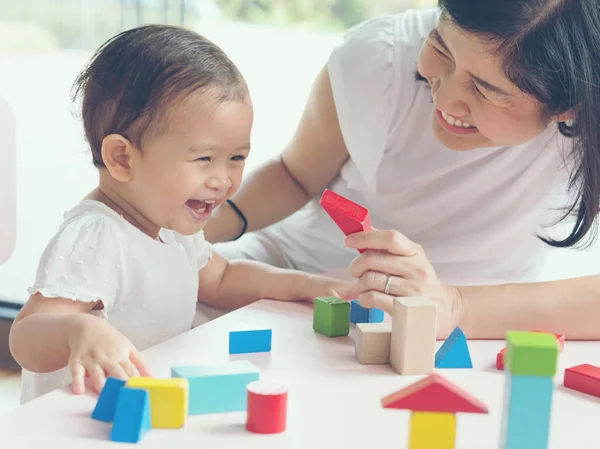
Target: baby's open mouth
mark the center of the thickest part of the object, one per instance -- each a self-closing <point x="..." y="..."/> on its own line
<point x="200" y="206"/>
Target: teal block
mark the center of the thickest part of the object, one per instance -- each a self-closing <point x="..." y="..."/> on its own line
<point x="107" y="401"/>
<point x="217" y="388"/>
<point x="454" y="353"/>
<point x="527" y="412"/>
<point x="132" y="415"/>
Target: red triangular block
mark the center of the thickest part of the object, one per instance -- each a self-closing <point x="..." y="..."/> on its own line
<point x="434" y="394"/>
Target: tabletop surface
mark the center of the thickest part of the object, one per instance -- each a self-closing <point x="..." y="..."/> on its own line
<point x="333" y="401"/>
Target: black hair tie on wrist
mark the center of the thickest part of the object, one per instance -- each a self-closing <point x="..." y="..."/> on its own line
<point x="241" y="215"/>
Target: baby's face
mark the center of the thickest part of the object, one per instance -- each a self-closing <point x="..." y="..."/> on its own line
<point x="195" y="164"/>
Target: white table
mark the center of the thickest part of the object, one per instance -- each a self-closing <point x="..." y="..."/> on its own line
<point x="334" y="402"/>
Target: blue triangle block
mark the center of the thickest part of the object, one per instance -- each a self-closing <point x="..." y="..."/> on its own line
<point x="454" y="353"/>
<point x="107" y="401"/>
<point x="132" y="415"/>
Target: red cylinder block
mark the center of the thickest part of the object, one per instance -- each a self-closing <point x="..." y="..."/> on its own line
<point x="267" y="407"/>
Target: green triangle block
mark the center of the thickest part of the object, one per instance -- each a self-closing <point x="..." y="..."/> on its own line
<point x="531" y="354"/>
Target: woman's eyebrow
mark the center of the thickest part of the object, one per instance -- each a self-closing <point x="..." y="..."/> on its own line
<point x="435" y="34"/>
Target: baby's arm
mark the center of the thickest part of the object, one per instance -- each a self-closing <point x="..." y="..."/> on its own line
<point x="233" y="284"/>
<point x="51" y="333"/>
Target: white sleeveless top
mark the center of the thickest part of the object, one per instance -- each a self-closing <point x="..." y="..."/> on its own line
<point x="475" y="213"/>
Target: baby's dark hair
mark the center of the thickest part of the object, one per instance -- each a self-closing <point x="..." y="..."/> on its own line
<point x="132" y="80"/>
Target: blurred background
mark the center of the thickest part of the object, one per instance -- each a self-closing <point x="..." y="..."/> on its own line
<point x="279" y="45"/>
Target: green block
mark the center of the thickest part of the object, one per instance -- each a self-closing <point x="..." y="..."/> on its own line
<point x="331" y="316"/>
<point x="531" y="354"/>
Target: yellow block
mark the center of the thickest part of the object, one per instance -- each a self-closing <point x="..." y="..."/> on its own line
<point x="431" y="430"/>
<point x="168" y="400"/>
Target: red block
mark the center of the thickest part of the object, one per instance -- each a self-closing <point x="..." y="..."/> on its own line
<point x="500" y="360"/>
<point x="267" y="407"/>
<point x="584" y="378"/>
<point x="560" y="339"/>
<point x="349" y="216"/>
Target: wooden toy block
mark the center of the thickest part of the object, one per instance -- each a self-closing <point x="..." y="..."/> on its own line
<point x="331" y="316"/>
<point x="526" y="412"/>
<point x="434" y="394"/>
<point x="107" y="401"/>
<point x="432" y="430"/>
<point x="132" y="415"/>
<point x="360" y="314"/>
<point x="267" y="408"/>
<point x="531" y="353"/>
<point x="584" y="378"/>
<point x="454" y="353"/>
<point x="168" y="400"/>
<point x="245" y="341"/>
<point x="372" y="343"/>
<point x="500" y="359"/>
<point x="560" y="339"/>
<point x="217" y="388"/>
<point x="412" y="347"/>
<point x="349" y="216"/>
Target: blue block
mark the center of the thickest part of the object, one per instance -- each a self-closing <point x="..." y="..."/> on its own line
<point x="107" y="401"/>
<point x="242" y="342"/>
<point x="132" y="415"/>
<point x="360" y="314"/>
<point x="526" y="413"/>
<point x="454" y="353"/>
<point x="217" y="388"/>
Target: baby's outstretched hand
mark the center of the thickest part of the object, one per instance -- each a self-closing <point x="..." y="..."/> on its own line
<point x="98" y="351"/>
<point x="319" y="286"/>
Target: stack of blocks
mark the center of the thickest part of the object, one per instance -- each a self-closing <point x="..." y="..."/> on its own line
<point x="530" y="365"/>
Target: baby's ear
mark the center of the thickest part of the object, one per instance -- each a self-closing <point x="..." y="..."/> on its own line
<point x="117" y="155"/>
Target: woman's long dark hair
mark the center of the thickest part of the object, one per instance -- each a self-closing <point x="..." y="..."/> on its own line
<point x="551" y="50"/>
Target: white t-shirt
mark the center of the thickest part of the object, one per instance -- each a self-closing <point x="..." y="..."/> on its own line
<point x="475" y="213"/>
<point x="149" y="288"/>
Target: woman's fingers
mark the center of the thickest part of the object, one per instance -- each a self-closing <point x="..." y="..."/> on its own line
<point x="398" y="286"/>
<point x="374" y="299"/>
<point x="380" y="261"/>
<point x="388" y="240"/>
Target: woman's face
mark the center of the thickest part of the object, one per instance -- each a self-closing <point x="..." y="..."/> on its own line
<point x="475" y="104"/>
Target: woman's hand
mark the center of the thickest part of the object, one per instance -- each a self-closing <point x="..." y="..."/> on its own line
<point x="394" y="266"/>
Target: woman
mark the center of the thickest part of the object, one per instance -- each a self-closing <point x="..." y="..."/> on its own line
<point x="466" y="131"/>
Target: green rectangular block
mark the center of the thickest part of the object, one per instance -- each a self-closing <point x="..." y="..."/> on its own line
<point x="331" y="316"/>
<point x="531" y="354"/>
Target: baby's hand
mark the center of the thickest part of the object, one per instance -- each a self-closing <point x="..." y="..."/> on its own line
<point x="326" y="286"/>
<point x="98" y="350"/>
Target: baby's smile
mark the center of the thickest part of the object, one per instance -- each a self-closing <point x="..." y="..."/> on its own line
<point x="200" y="209"/>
